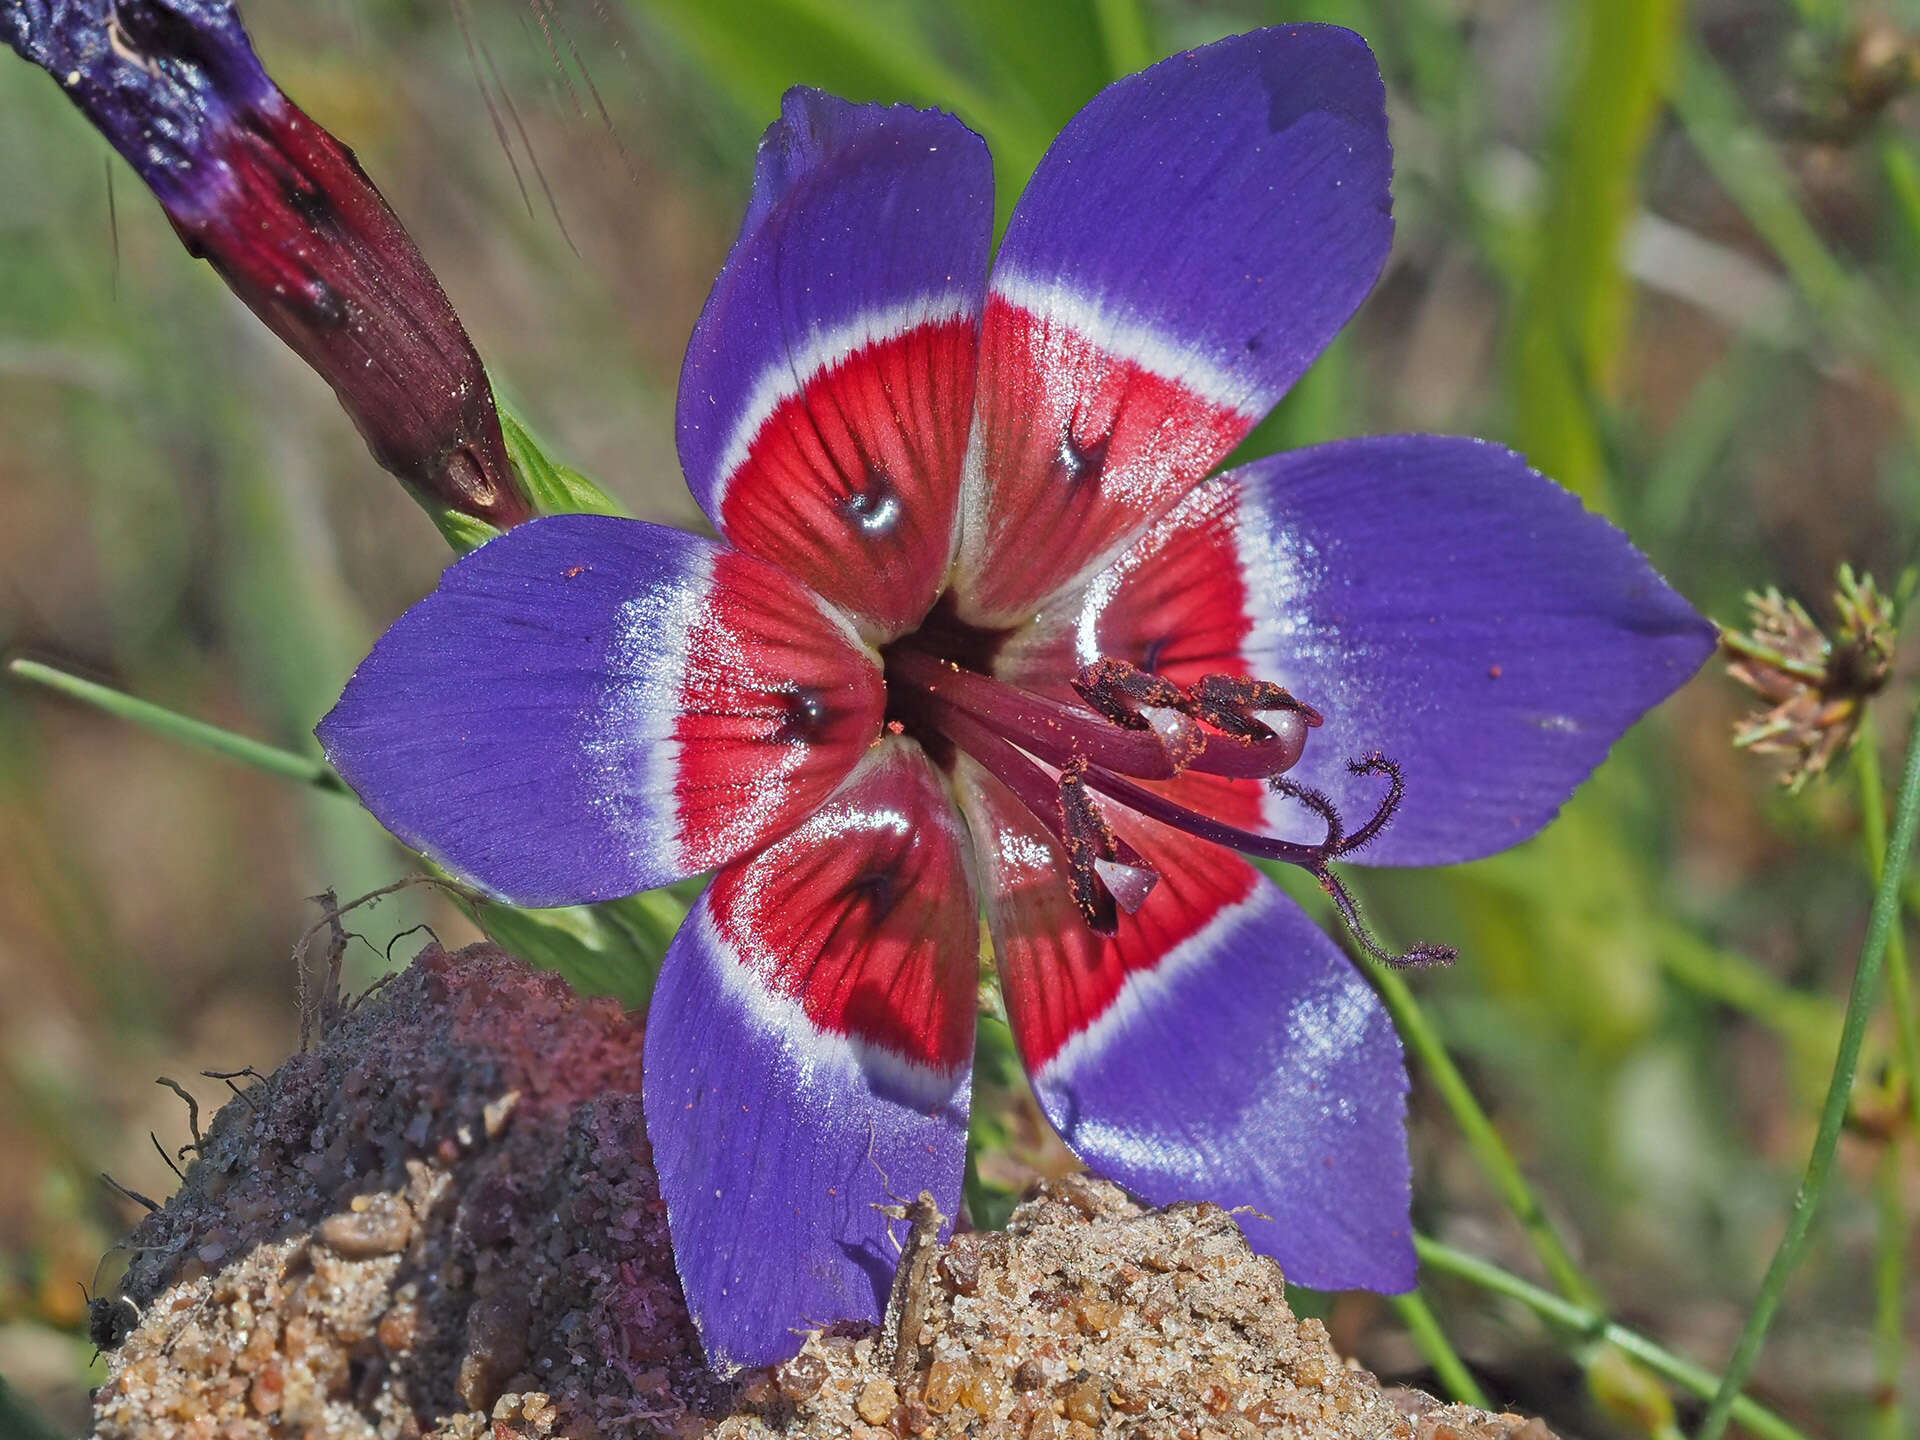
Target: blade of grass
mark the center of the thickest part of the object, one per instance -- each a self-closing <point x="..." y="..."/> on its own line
<point x="1591" y="1324"/>
<point x="1833" y="1114"/>
<point x="1455" y="1378"/>
<point x="174" y="726"/>
<point x="1573" y="317"/>
<point x="1125" y="36"/>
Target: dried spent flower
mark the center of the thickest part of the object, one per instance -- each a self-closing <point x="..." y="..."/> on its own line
<point x="1815" y="688"/>
<point x="283" y="211"/>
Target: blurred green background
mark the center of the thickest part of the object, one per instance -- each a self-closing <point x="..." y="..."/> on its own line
<point x="1670" y="250"/>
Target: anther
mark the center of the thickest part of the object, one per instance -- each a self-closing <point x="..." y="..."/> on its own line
<point x="1137" y="699"/>
<point x="1105" y="874"/>
<point x="1230" y="702"/>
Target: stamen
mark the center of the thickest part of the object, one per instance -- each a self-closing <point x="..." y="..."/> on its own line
<point x="1057" y="732"/>
<point x="1110" y="872"/>
<point x="1229" y="703"/>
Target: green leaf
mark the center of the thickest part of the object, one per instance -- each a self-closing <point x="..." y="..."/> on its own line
<point x="611" y="949"/>
<point x="554" y="489"/>
<point x="463" y="532"/>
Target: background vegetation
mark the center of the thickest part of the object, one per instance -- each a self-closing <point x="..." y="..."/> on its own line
<point x="1672" y="250"/>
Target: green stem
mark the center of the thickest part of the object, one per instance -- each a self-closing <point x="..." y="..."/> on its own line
<point x="1873" y="830"/>
<point x="1483" y="1140"/>
<point x="1455" y="1378"/>
<point x="175" y="726"/>
<point x="1833" y="1114"/>
<point x="1890" y="1250"/>
<point x="1584" y="1321"/>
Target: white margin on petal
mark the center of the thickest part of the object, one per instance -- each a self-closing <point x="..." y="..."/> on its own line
<point x="817" y="1056"/>
<point x="1124" y="336"/>
<point x="1146" y="991"/>
<point x="823" y="350"/>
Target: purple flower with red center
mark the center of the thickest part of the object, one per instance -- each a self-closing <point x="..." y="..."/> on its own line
<point x="987" y="635"/>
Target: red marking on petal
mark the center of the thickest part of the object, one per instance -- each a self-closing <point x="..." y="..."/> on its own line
<point x="865" y="916"/>
<point x="776" y="705"/>
<point x="1078" y="447"/>
<point x="1057" y="976"/>
<point x="852" y="482"/>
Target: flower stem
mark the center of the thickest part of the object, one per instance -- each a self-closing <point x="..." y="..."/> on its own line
<point x="1489" y="1150"/>
<point x="1890" y="1254"/>
<point x="175" y="726"/>
<point x="1455" y="1378"/>
<point x="1873" y="831"/>
<point x="1585" y="1321"/>
<point x="1833" y="1114"/>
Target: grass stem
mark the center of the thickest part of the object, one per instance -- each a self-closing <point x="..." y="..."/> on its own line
<point x="1833" y="1113"/>
<point x="175" y="726"/>
<point x="1586" y="1322"/>
<point x="1455" y="1378"/>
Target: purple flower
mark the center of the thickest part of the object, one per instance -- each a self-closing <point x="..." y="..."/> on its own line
<point x="292" y="223"/>
<point x="985" y="636"/>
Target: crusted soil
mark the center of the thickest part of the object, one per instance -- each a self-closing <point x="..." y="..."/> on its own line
<point x="443" y="1221"/>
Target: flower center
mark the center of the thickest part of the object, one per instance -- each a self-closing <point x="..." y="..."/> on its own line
<point x="1130" y="725"/>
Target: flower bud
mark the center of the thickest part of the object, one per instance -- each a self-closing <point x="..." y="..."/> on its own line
<point x="286" y="215"/>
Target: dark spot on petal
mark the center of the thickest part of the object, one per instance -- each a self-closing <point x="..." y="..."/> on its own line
<point x="806" y="719"/>
<point x="874" y="504"/>
<point x="1080" y="461"/>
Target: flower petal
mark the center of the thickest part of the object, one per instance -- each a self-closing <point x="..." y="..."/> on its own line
<point x="589" y="706"/>
<point x="1219" y="1047"/>
<point x="1434" y="597"/>
<point x="1187" y="247"/>
<point x="824" y="402"/>
<point x="809" y="1051"/>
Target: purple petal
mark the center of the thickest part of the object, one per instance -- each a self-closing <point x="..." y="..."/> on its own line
<point x="589" y="706"/>
<point x="1217" y="1047"/>
<point x="1432" y="596"/>
<point x="1187" y="247"/>
<point x="1442" y="602"/>
<point x="809" y="1056"/>
<point x="825" y="399"/>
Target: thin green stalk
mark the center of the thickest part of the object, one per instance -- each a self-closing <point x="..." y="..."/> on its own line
<point x="1455" y="1378"/>
<point x="1890" y="1248"/>
<point x="1483" y="1140"/>
<point x="1589" y="1323"/>
<point x="1873" y="830"/>
<point x="1833" y="1114"/>
<point x="175" y="726"/>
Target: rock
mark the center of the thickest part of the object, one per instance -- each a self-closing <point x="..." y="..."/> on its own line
<point x="443" y="1222"/>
